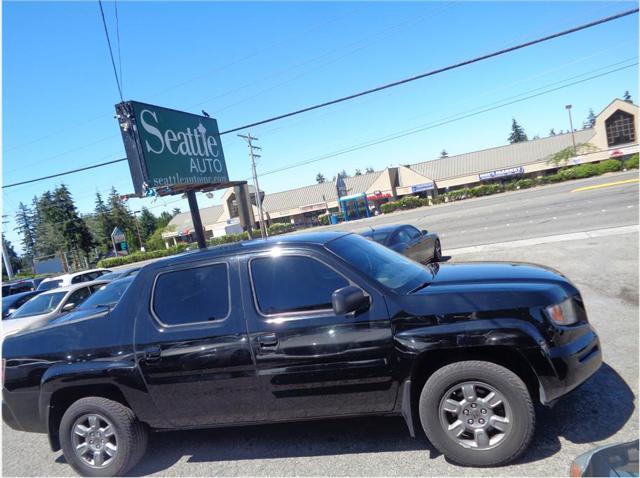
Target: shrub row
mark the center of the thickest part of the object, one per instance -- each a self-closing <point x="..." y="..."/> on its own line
<point x="141" y="256"/>
<point x="572" y="172"/>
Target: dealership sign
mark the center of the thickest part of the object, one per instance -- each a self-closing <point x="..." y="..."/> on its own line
<point x="623" y="151"/>
<point x="418" y="188"/>
<point x="170" y="151"/>
<point x="501" y="173"/>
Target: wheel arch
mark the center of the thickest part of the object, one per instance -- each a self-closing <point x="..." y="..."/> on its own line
<point x="63" y="398"/>
<point x="430" y="361"/>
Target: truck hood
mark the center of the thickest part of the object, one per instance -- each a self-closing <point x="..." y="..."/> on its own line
<point x="465" y="288"/>
<point x="492" y="272"/>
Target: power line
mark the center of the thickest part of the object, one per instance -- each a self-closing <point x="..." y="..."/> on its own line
<point x="438" y="70"/>
<point x="411" y="131"/>
<point x="376" y="141"/>
<point x="373" y="90"/>
<point x="115" y="5"/>
<point x="113" y="63"/>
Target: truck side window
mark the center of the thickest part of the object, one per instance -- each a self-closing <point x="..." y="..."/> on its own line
<point x="198" y="294"/>
<point x="288" y="284"/>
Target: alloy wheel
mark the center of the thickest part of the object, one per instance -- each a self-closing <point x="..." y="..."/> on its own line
<point x="475" y="415"/>
<point x="94" y="440"/>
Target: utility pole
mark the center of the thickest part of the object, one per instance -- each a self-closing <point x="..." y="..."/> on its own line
<point x="253" y="156"/>
<point x="573" y="137"/>
<point x="5" y="256"/>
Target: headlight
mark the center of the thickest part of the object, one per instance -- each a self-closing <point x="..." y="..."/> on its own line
<point x="563" y="313"/>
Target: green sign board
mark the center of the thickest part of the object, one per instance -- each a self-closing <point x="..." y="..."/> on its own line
<point x="170" y="151"/>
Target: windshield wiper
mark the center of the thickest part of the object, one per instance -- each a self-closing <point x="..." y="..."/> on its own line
<point x="421" y="286"/>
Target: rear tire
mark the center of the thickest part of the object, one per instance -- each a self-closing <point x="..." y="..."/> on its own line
<point x="477" y="413"/>
<point x="101" y="437"/>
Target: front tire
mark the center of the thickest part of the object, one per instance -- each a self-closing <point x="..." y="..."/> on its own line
<point x="477" y="413"/>
<point x="101" y="437"/>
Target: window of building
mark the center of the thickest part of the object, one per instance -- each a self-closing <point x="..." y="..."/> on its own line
<point x="287" y="284"/>
<point x="198" y="294"/>
<point x="620" y="128"/>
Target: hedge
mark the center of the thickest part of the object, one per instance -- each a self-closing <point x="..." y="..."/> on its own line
<point x="632" y="162"/>
<point x="141" y="256"/>
<point x="571" y="172"/>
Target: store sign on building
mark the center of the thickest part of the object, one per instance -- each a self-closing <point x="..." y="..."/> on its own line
<point x="418" y="188"/>
<point x="623" y="151"/>
<point x="170" y="150"/>
<point x="501" y="173"/>
<point x="314" y="207"/>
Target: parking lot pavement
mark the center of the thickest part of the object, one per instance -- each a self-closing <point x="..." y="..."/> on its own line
<point x="602" y="411"/>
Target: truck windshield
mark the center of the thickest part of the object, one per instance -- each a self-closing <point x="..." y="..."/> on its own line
<point x="42" y="304"/>
<point x="380" y="263"/>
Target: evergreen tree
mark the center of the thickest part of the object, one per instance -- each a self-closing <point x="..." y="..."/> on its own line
<point x="343" y="174"/>
<point x="517" y="133"/>
<point x="103" y="222"/>
<point x="47" y="232"/>
<point x="537" y="136"/>
<point x="175" y="212"/>
<point x="14" y="260"/>
<point x="75" y="234"/>
<point x="444" y="154"/>
<point x="320" y="178"/>
<point x="163" y="219"/>
<point x="591" y="120"/>
<point x="552" y="132"/>
<point x="147" y="222"/>
<point x="627" y="97"/>
<point x="358" y="173"/>
<point x="26" y="228"/>
<point x="369" y="170"/>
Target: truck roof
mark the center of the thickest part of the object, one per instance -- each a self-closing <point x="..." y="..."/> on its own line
<point x="315" y="238"/>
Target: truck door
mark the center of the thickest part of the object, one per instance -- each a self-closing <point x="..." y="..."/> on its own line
<point x="193" y="348"/>
<point x="311" y="362"/>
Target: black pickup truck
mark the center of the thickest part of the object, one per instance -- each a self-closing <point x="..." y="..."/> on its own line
<point x="308" y="326"/>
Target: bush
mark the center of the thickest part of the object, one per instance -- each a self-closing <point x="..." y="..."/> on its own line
<point x="525" y="183"/>
<point x="585" y="171"/>
<point x="608" y="166"/>
<point x="280" y="228"/>
<point x="389" y="207"/>
<point x="632" y="162"/>
<point x="323" y="219"/>
<point x="409" y="202"/>
<point x="141" y="256"/>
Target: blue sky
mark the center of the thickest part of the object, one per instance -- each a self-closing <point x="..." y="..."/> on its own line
<point x="243" y="62"/>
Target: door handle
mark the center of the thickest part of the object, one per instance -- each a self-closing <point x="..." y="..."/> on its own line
<point x="268" y="341"/>
<point x="152" y="354"/>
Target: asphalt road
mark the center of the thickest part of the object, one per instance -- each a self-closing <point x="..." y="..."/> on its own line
<point x="602" y="411"/>
<point x="541" y="211"/>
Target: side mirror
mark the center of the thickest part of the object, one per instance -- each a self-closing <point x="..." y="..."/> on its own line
<point x="11" y="311"/>
<point x="68" y="307"/>
<point x="349" y="299"/>
<point x="424" y="232"/>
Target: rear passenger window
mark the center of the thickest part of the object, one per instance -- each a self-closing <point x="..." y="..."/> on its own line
<point x="199" y="294"/>
<point x="293" y="284"/>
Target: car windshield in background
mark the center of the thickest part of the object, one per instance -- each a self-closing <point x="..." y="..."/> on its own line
<point x="42" y="304"/>
<point x="378" y="236"/>
<point x="52" y="284"/>
<point x="107" y="296"/>
<point x="383" y="265"/>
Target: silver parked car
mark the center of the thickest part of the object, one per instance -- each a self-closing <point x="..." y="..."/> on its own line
<point x="49" y="305"/>
<point x="421" y="246"/>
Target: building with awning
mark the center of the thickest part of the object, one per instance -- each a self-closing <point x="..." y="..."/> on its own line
<point x="614" y="135"/>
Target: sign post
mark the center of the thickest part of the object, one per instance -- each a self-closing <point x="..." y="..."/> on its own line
<point x="172" y="152"/>
<point x="119" y="241"/>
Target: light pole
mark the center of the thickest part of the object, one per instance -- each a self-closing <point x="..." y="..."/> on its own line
<point x="138" y="229"/>
<point x="573" y="137"/>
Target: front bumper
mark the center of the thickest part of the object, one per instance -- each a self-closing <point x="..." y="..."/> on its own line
<point x="571" y="365"/>
<point x="9" y="418"/>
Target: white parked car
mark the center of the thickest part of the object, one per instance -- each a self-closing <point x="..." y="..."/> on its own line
<point x="49" y="305"/>
<point x="73" y="278"/>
